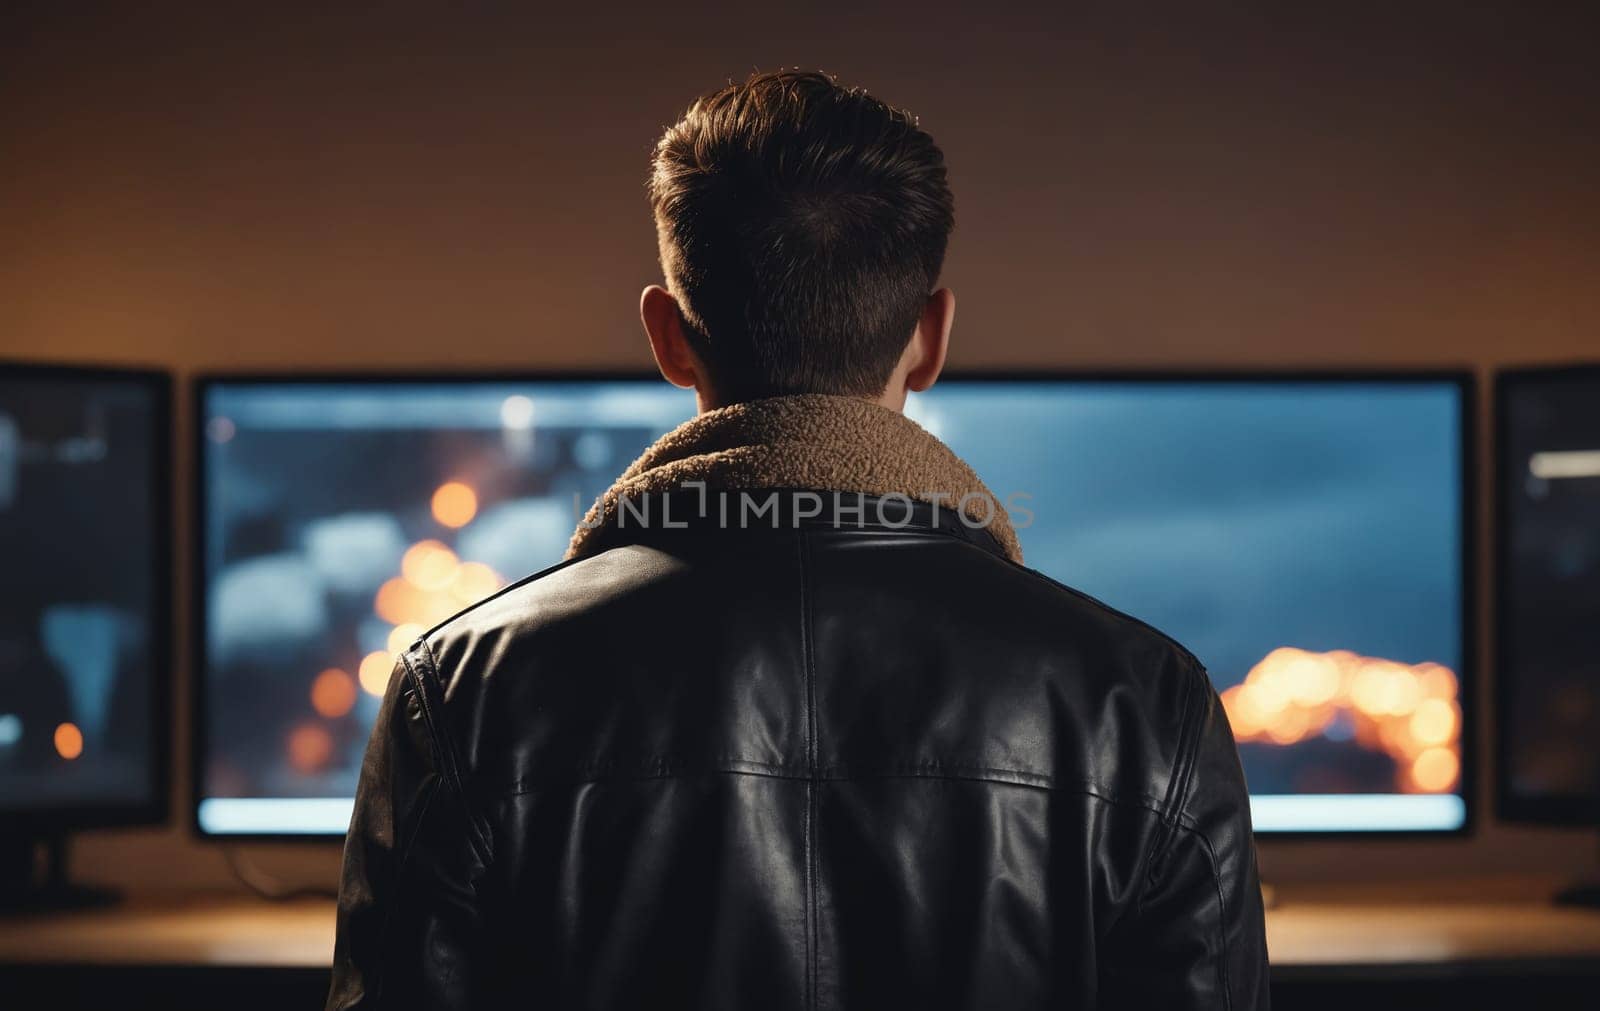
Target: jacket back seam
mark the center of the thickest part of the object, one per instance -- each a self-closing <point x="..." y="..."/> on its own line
<point x="1083" y="789"/>
<point x="808" y="662"/>
<point x="666" y="766"/>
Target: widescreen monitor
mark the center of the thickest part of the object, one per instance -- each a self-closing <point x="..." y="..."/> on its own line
<point x="1548" y="594"/>
<point x="84" y="598"/>
<point x="342" y="518"/>
<point x="1304" y="536"/>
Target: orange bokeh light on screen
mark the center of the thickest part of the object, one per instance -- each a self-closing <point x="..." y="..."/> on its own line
<point x="375" y="671"/>
<point x="473" y="581"/>
<point x="1409" y="712"/>
<point x="69" y="741"/>
<point x="1435" y="722"/>
<point x="429" y="565"/>
<point x="399" y="601"/>
<point x="1435" y="769"/>
<point x="333" y="693"/>
<point x="310" y="748"/>
<point x="403" y="635"/>
<point x="454" y="504"/>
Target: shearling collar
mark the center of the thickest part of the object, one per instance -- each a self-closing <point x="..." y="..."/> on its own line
<point x="810" y="441"/>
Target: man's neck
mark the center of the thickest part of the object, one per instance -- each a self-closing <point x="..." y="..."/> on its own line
<point x="893" y="397"/>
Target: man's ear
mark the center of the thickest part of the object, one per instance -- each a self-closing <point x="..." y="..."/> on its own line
<point x="931" y="341"/>
<point x="658" y="310"/>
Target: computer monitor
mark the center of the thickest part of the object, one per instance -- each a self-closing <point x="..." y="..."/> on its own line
<point x="342" y="517"/>
<point x="1548" y="595"/>
<point x="84" y="609"/>
<point x="1305" y="536"/>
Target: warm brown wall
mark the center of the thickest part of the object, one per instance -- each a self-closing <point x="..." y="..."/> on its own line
<point x="204" y="189"/>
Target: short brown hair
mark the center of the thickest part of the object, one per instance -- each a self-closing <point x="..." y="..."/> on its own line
<point x="802" y="226"/>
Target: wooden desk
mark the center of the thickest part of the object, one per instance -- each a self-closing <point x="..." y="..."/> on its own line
<point x="169" y="930"/>
<point x="1323" y="936"/>
<point x="1316" y="937"/>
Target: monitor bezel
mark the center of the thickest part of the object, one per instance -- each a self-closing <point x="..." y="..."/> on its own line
<point x="1464" y="380"/>
<point x="44" y="822"/>
<point x="1511" y="806"/>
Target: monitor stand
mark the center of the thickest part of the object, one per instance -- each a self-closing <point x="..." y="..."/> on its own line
<point x="1584" y="893"/>
<point x="25" y="887"/>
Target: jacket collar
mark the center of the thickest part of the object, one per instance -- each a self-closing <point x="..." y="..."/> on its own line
<point x="805" y="446"/>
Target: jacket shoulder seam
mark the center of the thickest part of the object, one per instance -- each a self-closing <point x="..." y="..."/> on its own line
<point x="419" y="663"/>
<point x="1188" y="746"/>
<point x="1198" y="690"/>
<point x="509" y="588"/>
<point x="1105" y="608"/>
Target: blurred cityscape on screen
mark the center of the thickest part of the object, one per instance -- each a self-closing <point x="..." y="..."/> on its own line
<point x="345" y="520"/>
<point x="77" y="593"/>
<point x="1304" y="540"/>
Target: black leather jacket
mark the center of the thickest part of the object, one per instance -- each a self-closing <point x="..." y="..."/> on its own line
<point x="810" y="767"/>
